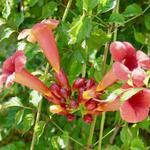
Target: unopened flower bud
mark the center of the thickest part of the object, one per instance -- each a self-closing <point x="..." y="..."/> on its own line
<point x="90" y="83"/>
<point x="90" y="105"/>
<point x="64" y="93"/>
<point x="78" y="83"/>
<point x="62" y="79"/>
<point x="88" y="118"/>
<point x="70" y="117"/>
<point x="55" y="89"/>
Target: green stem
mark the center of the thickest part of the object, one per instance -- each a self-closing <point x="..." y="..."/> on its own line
<point x="91" y="133"/>
<point x="66" y="10"/>
<point x="36" y="122"/>
<point x="101" y="131"/>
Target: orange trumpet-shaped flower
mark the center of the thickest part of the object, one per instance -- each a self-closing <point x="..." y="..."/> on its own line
<point x="42" y="33"/>
<point x="107" y="81"/>
<point x="13" y="71"/>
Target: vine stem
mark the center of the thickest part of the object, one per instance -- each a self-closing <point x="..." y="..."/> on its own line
<point x="116" y="10"/>
<point x="45" y="73"/>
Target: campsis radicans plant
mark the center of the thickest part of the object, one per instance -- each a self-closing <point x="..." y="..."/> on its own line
<point x="84" y="94"/>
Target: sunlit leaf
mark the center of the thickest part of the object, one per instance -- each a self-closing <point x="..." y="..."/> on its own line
<point x="13" y="102"/>
<point x="6" y="33"/>
<point x="39" y="129"/>
<point x="28" y="122"/>
<point x="19" y="116"/>
<point x="106" y="5"/>
<point x="35" y="98"/>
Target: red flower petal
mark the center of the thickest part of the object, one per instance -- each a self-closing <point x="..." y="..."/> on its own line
<point x="138" y="76"/>
<point x="20" y="60"/>
<point x="143" y="59"/>
<point x="136" y="109"/>
<point x="130" y="49"/>
<point x="121" y="71"/>
<point x="118" y="50"/>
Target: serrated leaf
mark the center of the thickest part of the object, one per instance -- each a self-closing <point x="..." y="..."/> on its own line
<point x="126" y="136"/>
<point x="80" y="29"/>
<point x="106" y="5"/>
<point x="128" y="94"/>
<point x="117" y="18"/>
<point x="49" y="9"/>
<point x="6" y="33"/>
<point x="97" y="39"/>
<point x="13" y="102"/>
<point x="147" y="21"/>
<point x="19" y="116"/>
<point x="132" y="10"/>
<point x="35" y="98"/>
<point x="137" y="144"/>
<point x="28" y="122"/>
<point x="39" y="129"/>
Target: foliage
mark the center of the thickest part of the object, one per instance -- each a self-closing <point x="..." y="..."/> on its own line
<point x="81" y="39"/>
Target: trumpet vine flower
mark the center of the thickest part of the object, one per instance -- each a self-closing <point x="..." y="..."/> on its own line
<point x="129" y="65"/>
<point x="134" y="109"/>
<point x="42" y="33"/>
<point x="14" y="71"/>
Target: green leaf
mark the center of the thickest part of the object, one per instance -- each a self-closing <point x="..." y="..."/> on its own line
<point x="49" y="9"/>
<point x="88" y="5"/>
<point x="6" y="33"/>
<point x="80" y="29"/>
<point x="126" y="95"/>
<point x="16" y="19"/>
<point x="139" y="37"/>
<point x="54" y="142"/>
<point x="126" y="136"/>
<point x="19" y="116"/>
<point x="106" y="5"/>
<point x="35" y="98"/>
<point x="132" y="10"/>
<point x="7" y="8"/>
<point x="97" y="39"/>
<point x="137" y="144"/>
<point x="117" y="18"/>
<point x="2" y="21"/>
<point x="31" y="3"/>
<point x="39" y="129"/>
<point x="28" y="122"/>
<point x="114" y="147"/>
<point x="13" y="102"/>
<point x="147" y="21"/>
<point x="65" y="137"/>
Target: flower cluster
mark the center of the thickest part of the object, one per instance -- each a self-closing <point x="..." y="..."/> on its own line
<point x="84" y="95"/>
